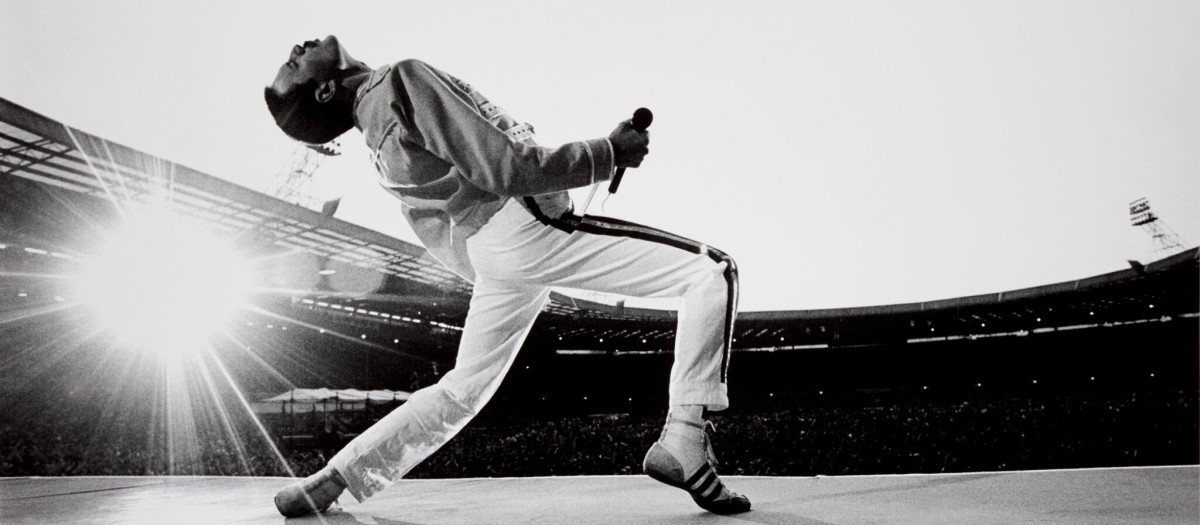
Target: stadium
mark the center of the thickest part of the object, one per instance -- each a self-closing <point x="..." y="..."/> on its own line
<point x="164" y="326"/>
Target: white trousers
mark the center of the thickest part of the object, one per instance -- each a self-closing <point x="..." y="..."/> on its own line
<point x="518" y="256"/>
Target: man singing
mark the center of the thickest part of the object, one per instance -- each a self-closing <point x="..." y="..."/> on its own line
<point x="492" y="205"/>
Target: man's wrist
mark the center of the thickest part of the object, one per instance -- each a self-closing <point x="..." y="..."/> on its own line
<point x="603" y="158"/>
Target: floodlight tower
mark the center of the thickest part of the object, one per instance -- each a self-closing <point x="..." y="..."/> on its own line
<point x="294" y="182"/>
<point x="1165" y="241"/>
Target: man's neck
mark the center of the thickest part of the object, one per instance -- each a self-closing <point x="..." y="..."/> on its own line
<point x="354" y="81"/>
<point x="349" y="84"/>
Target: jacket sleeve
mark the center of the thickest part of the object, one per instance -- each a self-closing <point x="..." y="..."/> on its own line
<point x="438" y="114"/>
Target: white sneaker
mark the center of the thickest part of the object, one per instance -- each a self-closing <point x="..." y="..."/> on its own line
<point x="311" y="495"/>
<point x="703" y="484"/>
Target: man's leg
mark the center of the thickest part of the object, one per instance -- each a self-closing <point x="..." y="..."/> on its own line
<point x="614" y="256"/>
<point x="683" y="456"/>
<point x="498" y="321"/>
<point x="654" y="263"/>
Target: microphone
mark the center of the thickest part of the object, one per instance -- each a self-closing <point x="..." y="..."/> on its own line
<point x="641" y="120"/>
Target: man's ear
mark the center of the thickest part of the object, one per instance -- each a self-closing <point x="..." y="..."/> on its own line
<point x="326" y="90"/>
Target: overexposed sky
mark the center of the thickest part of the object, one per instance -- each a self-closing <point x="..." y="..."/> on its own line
<point x="845" y="153"/>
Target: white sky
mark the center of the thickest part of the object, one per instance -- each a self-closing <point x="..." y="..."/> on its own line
<point x="845" y="153"/>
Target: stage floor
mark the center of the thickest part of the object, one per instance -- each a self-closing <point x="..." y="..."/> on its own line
<point x="1158" y="495"/>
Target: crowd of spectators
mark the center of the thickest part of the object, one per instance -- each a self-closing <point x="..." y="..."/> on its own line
<point x="56" y="447"/>
<point x="854" y="435"/>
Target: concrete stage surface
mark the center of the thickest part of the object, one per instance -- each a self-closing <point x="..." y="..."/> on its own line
<point x="1153" y="495"/>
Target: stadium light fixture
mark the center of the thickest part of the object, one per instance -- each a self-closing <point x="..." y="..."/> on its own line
<point x="161" y="283"/>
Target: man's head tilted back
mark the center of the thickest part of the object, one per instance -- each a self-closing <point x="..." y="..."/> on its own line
<point x="306" y="97"/>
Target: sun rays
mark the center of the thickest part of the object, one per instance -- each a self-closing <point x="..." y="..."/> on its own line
<point x="139" y="320"/>
<point x="163" y="283"/>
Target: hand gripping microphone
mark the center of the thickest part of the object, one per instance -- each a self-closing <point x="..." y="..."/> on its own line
<point x="641" y="120"/>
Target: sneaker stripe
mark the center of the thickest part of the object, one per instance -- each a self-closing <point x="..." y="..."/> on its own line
<point x="700" y="473"/>
<point x="706" y="483"/>
<point x="717" y="489"/>
<point x="711" y="495"/>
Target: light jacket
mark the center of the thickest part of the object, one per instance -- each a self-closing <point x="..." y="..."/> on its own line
<point x="454" y="159"/>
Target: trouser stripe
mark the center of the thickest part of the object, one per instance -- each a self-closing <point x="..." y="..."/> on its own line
<point x="571" y="223"/>
<point x="607" y="226"/>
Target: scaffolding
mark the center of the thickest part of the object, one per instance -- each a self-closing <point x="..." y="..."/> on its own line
<point x="1163" y="240"/>
<point x="294" y="183"/>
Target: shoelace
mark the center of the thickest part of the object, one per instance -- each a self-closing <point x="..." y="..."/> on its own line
<point x="705" y="428"/>
<point x="712" y="456"/>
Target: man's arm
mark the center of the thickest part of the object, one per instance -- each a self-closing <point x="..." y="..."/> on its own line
<point x="441" y="117"/>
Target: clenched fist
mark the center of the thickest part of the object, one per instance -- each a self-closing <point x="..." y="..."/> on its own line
<point x="630" y="146"/>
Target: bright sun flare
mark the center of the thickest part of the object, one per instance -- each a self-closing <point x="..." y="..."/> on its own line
<point x="164" y="285"/>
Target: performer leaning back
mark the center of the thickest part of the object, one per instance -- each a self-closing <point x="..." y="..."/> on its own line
<point x="492" y="205"/>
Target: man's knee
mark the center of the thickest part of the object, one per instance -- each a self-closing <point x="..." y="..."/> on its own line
<point x="713" y="275"/>
<point x="468" y="393"/>
<point x="730" y="266"/>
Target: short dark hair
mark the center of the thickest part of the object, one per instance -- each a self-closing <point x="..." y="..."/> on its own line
<point x="301" y="116"/>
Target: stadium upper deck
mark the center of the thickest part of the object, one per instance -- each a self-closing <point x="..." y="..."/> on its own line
<point x="55" y="178"/>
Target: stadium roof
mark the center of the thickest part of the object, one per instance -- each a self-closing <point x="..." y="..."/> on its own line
<point x="91" y="171"/>
<point x="42" y="150"/>
<point x="50" y="153"/>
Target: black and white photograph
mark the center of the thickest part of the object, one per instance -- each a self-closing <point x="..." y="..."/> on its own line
<point x="666" y="262"/>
